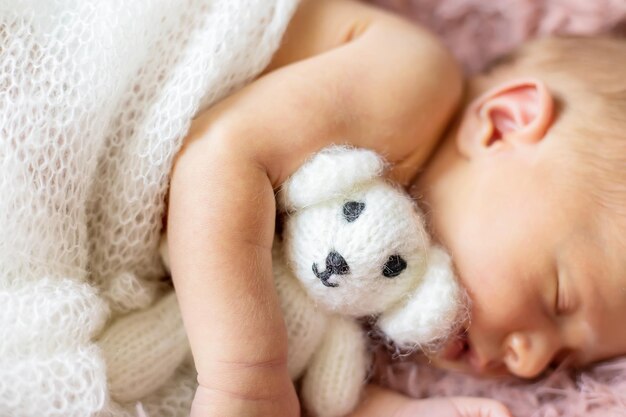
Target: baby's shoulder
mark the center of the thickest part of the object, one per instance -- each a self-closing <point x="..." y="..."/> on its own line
<point x="319" y="26"/>
<point x="391" y="83"/>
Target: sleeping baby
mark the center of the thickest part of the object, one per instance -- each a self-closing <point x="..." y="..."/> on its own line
<point x="520" y="175"/>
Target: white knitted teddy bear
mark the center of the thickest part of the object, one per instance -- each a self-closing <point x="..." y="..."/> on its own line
<point x="353" y="245"/>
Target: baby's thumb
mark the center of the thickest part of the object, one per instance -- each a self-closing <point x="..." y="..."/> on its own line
<point x="480" y="407"/>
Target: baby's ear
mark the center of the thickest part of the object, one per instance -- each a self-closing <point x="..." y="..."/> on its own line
<point x="331" y="173"/>
<point x="431" y="313"/>
<point x="512" y="115"/>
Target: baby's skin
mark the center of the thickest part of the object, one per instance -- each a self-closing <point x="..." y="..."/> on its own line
<point x="347" y="73"/>
<point x="514" y="196"/>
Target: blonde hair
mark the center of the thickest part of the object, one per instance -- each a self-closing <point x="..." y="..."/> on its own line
<point x="587" y="77"/>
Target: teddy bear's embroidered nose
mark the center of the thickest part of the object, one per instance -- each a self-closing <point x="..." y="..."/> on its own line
<point x="335" y="265"/>
<point x="352" y="210"/>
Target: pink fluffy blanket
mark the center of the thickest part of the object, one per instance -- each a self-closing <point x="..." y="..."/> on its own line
<point x="478" y="31"/>
<point x="596" y="392"/>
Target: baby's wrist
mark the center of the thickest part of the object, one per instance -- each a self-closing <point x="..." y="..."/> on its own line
<point x="254" y="381"/>
<point x="246" y="390"/>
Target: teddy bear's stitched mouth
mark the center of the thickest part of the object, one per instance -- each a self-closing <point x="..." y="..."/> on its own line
<point x="335" y="265"/>
<point x="324" y="276"/>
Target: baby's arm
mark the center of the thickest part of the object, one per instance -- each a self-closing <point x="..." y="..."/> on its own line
<point x="379" y="83"/>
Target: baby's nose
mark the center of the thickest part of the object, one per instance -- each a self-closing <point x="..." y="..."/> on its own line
<point x="528" y="354"/>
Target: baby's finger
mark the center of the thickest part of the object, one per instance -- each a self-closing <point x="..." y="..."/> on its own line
<point x="479" y="407"/>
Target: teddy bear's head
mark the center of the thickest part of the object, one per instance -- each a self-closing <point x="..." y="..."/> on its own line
<point x="359" y="247"/>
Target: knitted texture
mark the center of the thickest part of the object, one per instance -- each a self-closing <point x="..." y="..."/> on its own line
<point x="156" y="336"/>
<point x="95" y="98"/>
<point x="173" y="399"/>
<point x="333" y="380"/>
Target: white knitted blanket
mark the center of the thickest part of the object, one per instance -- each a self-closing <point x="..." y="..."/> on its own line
<point x="95" y="98"/>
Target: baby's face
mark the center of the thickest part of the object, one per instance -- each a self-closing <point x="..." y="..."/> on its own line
<point x="544" y="267"/>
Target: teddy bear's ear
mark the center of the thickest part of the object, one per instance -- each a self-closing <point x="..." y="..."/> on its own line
<point x="329" y="174"/>
<point x="432" y="312"/>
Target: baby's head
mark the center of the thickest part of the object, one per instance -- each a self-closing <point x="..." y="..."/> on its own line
<point x="528" y="193"/>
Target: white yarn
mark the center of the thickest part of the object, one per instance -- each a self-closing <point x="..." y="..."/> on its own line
<point x="171" y="400"/>
<point x="95" y="98"/>
<point x="138" y="349"/>
<point x="332" y="384"/>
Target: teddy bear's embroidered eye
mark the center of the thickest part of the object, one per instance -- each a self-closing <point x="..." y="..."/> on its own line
<point x="394" y="266"/>
<point x="352" y="210"/>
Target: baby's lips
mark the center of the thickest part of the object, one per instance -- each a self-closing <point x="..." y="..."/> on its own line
<point x="453" y="350"/>
<point x="456" y="346"/>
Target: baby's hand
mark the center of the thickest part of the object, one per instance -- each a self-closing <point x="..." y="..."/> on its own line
<point x="381" y="402"/>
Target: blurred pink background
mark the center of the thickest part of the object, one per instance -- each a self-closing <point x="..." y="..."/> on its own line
<point x="477" y="31"/>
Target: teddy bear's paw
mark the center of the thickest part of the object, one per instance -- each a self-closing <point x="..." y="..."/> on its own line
<point x="335" y="377"/>
<point x="143" y="349"/>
